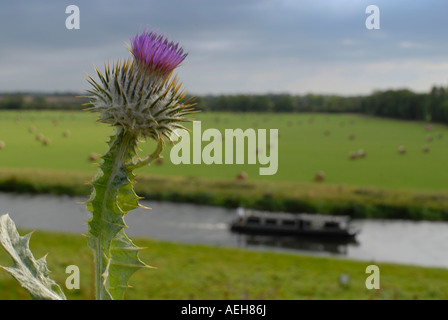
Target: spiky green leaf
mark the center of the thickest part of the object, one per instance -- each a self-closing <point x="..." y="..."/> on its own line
<point x="32" y="274"/>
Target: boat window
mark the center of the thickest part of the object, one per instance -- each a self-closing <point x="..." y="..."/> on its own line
<point x="253" y="220"/>
<point x="271" y="221"/>
<point x="331" y="224"/>
<point x="305" y="224"/>
<point x="289" y="223"/>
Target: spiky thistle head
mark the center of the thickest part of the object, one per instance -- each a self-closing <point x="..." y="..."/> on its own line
<point x="139" y="94"/>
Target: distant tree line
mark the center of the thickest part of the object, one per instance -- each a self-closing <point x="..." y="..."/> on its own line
<point x="41" y="101"/>
<point x="279" y="103"/>
<point x="399" y="104"/>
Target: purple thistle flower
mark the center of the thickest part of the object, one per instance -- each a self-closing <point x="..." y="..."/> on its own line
<point x="156" y="52"/>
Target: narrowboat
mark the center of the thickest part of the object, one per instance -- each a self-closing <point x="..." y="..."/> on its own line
<point x="301" y="224"/>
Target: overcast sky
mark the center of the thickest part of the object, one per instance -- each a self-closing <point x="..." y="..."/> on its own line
<point x="234" y="46"/>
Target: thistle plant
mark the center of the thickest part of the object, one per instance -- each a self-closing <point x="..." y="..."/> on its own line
<point x="142" y="99"/>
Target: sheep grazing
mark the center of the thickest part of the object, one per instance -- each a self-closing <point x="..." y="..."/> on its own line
<point x="429" y="138"/>
<point x="66" y="133"/>
<point x="31" y="129"/>
<point x="351" y="136"/>
<point x="40" y="137"/>
<point x="46" y="142"/>
<point x="401" y="150"/>
<point x="320" y="176"/>
<point x="242" y="176"/>
<point x="361" y="153"/>
<point x="425" y="149"/>
<point x="2" y="144"/>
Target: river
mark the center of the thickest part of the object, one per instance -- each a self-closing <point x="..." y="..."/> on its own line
<point x="420" y="243"/>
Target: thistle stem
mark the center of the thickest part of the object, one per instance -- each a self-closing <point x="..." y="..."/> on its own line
<point x="151" y="157"/>
<point x="107" y="187"/>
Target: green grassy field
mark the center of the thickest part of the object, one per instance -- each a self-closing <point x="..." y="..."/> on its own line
<point x="198" y="272"/>
<point x="304" y="148"/>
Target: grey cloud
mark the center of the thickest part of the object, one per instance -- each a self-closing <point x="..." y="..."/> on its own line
<point x="233" y="45"/>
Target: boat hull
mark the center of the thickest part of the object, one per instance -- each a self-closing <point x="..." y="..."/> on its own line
<point x="263" y="230"/>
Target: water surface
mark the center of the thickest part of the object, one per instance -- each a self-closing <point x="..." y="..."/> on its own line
<point x="420" y="243"/>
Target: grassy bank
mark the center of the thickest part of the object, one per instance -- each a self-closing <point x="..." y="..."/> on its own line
<point x="198" y="272"/>
<point x="358" y="202"/>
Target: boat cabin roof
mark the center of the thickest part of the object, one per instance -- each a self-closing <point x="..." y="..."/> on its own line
<point x="296" y="216"/>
